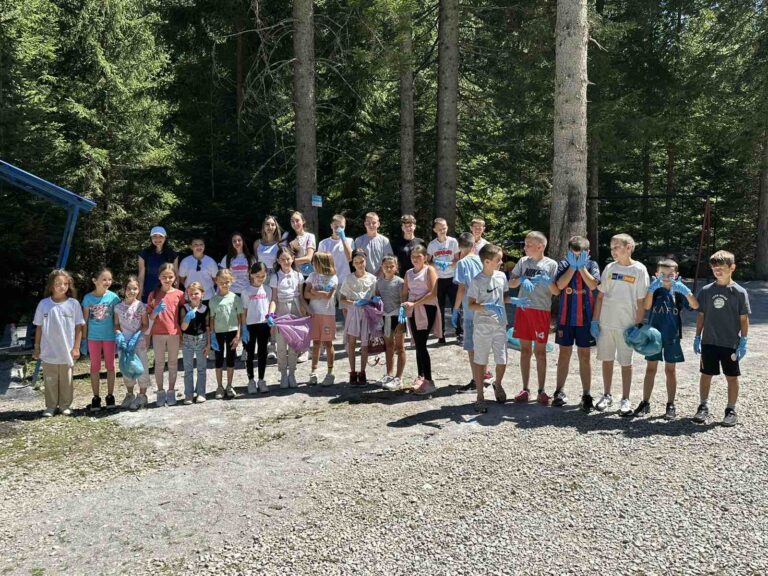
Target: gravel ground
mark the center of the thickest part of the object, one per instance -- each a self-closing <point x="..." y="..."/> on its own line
<point x="342" y="481"/>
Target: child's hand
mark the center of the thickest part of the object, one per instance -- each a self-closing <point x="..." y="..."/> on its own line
<point x="541" y="280"/>
<point x="455" y="318"/>
<point x="307" y="269"/>
<point x="572" y="259"/>
<point x="494" y="308"/>
<point x="245" y="335"/>
<point x="361" y="302"/>
<point x="526" y="285"/>
<point x="656" y="284"/>
<point x="408" y="304"/>
<point x="581" y="261"/>
<point x="189" y="316"/>
<point x="697" y="344"/>
<point x="741" y="350"/>
<point x="270" y="320"/>
<point x="160" y="307"/>
<point x="521" y="303"/>
<point x="120" y="341"/>
<point x="401" y="316"/>
<point x="36" y="353"/>
<point x="594" y="329"/>
<point x="234" y="343"/>
<point x="215" y="343"/>
<point x="376" y="300"/>
<point x="75" y="354"/>
<point x="679" y="287"/>
<point x="341" y="234"/>
<point x="206" y="350"/>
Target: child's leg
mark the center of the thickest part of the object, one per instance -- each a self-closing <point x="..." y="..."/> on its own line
<point x="159" y="344"/>
<point x="219" y="362"/>
<point x="389" y="352"/>
<point x="315" y="354"/>
<point x="66" y="387"/>
<point x="188" y="361"/>
<point x="419" y="358"/>
<point x="202" y="368"/>
<point x="330" y="355"/>
<point x="733" y="390"/>
<point x="143" y="380"/>
<point x="173" y="360"/>
<point x="563" y="363"/>
<point x="250" y="349"/>
<point x="363" y="357"/>
<point x="293" y="359"/>
<point x="51" y="374"/>
<point x="585" y="369"/>
<point x="671" y="376"/>
<point x="607" y="376"/>
<point x="231" y="355"/>
<point x="540" y="350"/>
<point x="109" y="348"/>
<point x="478" y="370"/>
<point x="282" y="353"/>
<point x="705" y="381"/>
<point x="351" y="343"/>
<point x="94" y="351"/>
<point x="263" y="333"/>
<point x="526" y="352"/>
<point x="650" y="376"/>
<point x="230" y="373"/>
<point x="399" y="342"/>
<point x="626" y="381"/>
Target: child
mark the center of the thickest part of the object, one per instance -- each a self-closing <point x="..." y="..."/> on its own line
<point x="320" y="290"/>
<point x="390" y="289"/>
<point x="356" y="292"/>
<point x="666" y="298"/>
<point x="256" y="299"/>
<point x="195" y="343"/>
<point x="576" y="277"/>
<point x="443" y="252"/>
<point x="420" y="301"/>
<point x="301" y="242"/>
<point x="59" y="322"/>
<point x="619" y="306"/>
<point x="341" y="248"/>
<point x="226" y="317"/>
<point x="722" y="326"/>
<point x="534" y="273"/>
<point x="375" y="245"/>
<point x="164" y="306"/>
<point x="286" y="285"/>
<point x="131" y="319"/>
<point x="99" y="333"/>
<point x="265" y="249"/>
<point x="403" y="246"/>
<point x="467" y="268"/>
<point x="238" y="262"/>
<point x="477" y="226"/>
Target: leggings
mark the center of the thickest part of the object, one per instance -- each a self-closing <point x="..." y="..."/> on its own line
<point x="257" y="334"/>
<point x="420" y="337"/>
<point x="225" y="341"/>
<point x="95" y="348"/>
<point x="446" y="289"/>
<point x="162" y="343"/>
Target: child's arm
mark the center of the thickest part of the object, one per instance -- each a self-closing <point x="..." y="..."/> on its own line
<point x="459" y="297"/>
<point x="563" y="281"/>
<point x="514" y="281"/>
<point x="86" y="314"/>
<point x="144" y="321"/>
<point x="39" y="338"/>
<point x="273" y="301"/>
<point x="648" y="301"/>
<point x="589" y="280"/>
<point x="78" y="340"/>
<point x="640" y="311"/>
<point x="699" y="324"/>
<point x="744" y="324"/>
<point x="598" y="307"/>
<point x="474" y="306"/>
<point x="693" y="302"/>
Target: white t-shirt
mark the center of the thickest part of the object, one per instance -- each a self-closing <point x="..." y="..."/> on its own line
<point x="339" y="255"/>
<point x="239" y="266"/>
<point x="256" y="303"/>
<point x="442" y="254"/>
<point x="206" y="275"/>
<point x="58" y="320"/>
<point x="288" y="286"/>
<point x="355" y="288"/>
<point x="489" y="290"/>
<point x="622" y="287"/>
<point x="321" y="306"/>
<point x="267" y="253"/>
<point x="479" y="246"/>
<point x="305" y="242"/>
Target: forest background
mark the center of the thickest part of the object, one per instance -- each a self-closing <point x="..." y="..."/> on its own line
<point x="181" y="112"/>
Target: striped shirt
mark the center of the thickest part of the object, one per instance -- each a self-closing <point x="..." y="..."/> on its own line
<point x="576" y="300"/>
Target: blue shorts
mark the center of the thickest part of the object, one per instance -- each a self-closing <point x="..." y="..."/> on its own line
<point x="671" y="352"/>
<point x="567" y="335"/>
<point x="469" y="334"/>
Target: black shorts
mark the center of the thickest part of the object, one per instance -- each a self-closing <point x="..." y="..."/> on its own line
<point x="712" y="357"/>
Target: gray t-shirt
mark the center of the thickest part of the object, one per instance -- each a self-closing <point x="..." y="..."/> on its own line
<point x="489" y="289"/>
<point x="722" y="307"/>
<point x="376" y="247"/>
<point x="527" y="267"/>
<point x="390" y="292"/>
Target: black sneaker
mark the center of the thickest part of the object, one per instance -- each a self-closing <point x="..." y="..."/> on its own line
<point x="460" y="339"/>
<point x="110" y="401"/>
<point x="643" y="408"/>
<point x="559" y="399"/>
<point x="671" y="413"/>
<point x="702" y="413"/>
<point x="730" y="417"/>
<point x="441" y="340"/>
<point x="468" y="387"/>
<point x="587" y="403"/>
<point x="95" y="404"/>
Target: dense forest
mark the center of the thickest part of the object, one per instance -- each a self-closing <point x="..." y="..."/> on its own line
<point x="206" y="115"/>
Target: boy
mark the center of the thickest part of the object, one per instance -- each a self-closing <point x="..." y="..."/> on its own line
<point x="534" y="273"/>
<point x="340" y="247"/>
<point x="576" y="277"/>
<point x="403" y="246"/>
<point x="376" y="246"/>
<point x="477" y="226"/>
<point x="619" y="306"/>
<point x="443" y="252"/>
<point x="467" y="268"/>
<point x="666" y="298"/>
<point x="721" y="334"/>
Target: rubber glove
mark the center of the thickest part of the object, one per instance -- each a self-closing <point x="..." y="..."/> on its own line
<point x="327" y="287"/>
<point x="679" y="287"/>
<point x="541" y="280"/>
<point x="655" y="284"/>
<point x="244" y="335"/>
<point x="375" y="300"/>
<point x="161" y="307"/>
<point x="401" y="315"/>
<point x="306" y="269"/>
<point x="341" y="234"/>
<point x="84" y="347"/>
<point x="741" y="349"/>
<point x="572" y="259"/>
<point x="494" y="308"/>
<point x="442" y="265"/>
<point x="271" y="319"/>
<point x="120" y="341"/>
<point x="526" y="285"/>
<point x="697" y="344"/>
<point x="215" y="343"/>
<point x="582" y="260"/>
<point x="131" y="346"/>
<point x="455" y="318"/>
<point x="594" y="329"/>
<point x="189" y="316"/>
<point x="521" y="303"/>
<point x="362" y="302"/>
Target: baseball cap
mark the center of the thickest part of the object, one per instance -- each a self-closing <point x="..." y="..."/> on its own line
<point x="158" y="230"/>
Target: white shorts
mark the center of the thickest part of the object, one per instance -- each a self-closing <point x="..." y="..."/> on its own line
<point x="611" y="346"/>
<point x="490" y="337"/>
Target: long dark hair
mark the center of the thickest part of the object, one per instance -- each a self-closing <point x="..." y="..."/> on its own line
<point x="290" y="234"/>
<point x="231" y="252"/>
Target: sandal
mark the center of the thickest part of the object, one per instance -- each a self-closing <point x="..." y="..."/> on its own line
<point x="498" y="391"/>
<point x="480" y="407"/>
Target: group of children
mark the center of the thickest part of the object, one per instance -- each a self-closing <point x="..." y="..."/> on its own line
<point x="386" y="291"/>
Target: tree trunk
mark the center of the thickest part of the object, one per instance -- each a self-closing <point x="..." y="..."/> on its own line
<point x="646" y="188"/>
<point x="447" y="110"/>
<point x="407" y="137"/>
<point x="304" y="109"/>
<point x="593" y="233"/>
<point x="568" y="213"/>
<point x="670" y="193"/>
<point x="761" y="254"/>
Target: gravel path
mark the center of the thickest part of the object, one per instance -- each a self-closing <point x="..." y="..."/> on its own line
<point x="343" y="481"/>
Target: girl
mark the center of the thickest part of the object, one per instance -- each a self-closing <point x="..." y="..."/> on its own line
<point x="194" y="326"/>
<point x="256" y="299"/>
<point x="158" y="252"/>
<point x="357" y="290"/>
<point x="225" y="320"/>
<point x="99" y="332"/>
<point x="286" y="299"/>
<point x="238" y="262"/>
<point x="59" y="322"/>
<point x="390" y="288"/>
<point x="164" y="306"/>
<point x="420" y="301"/>
<point x="301" y="242"/>
<point x="130" y="319"/>
<point x="320" y="289"/>
<point x="265" y="249"/>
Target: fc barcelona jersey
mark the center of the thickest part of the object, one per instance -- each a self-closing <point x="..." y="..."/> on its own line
<point x="576" y="299"/>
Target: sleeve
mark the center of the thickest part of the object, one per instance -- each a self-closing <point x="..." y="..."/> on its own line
<point x="239" y="305"/>
<point x="223" y="263"/>
<point x="344" y="290"/>
<point x="561" y="269"/>
<point x="334" y="281"/>
<point x="38" y="320"/>
<point x="387" y="251"/>
<point x="183" y="268"/>
<point x="552" y="268"/>
<point x="744" y="307"/>
<point x="472" y="292"/>
<point x="79" y="318"/>
<point x="700" y="296"/>
<point x="605" y="282"/>
<point x="244" y="300"/>
<point x="351" y="243"/>
<point x="431" y="248"/>
<point x="594" y="269"/>
<point x="273" y="281"/>
<point x="641" y="287"/>
<point x="459" y="272"/>
<point x="311" y="241"/>
<point x="517" y="271"/>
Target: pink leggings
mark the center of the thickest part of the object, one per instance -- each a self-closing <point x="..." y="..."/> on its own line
<point x="95" y="347"/>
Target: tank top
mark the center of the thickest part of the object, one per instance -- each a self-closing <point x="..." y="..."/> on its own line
<point x="417" y="283"/>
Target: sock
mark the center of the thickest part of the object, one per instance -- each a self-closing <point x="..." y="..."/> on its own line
<point x="731" y="407"/>
<point x="541" y="390"/>
<point x="705" y="402"/>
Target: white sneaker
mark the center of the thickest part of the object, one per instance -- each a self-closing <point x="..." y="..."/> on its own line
<point x="303" y="357"/>
<point x="219" y="393"/>
<point x="625" y="408"/>
<point x="393" y="384"/>
<point x="313" y="379"/>
<point x="160" y="398"/>
<point x="200" y="399"/>
<point x="252" y="386"/>
<point x="262" y="386"/>
<point x="244" y="355"/>
<point x="128" y="400"/>
<point x="284" y="383"/>
<point x="170" y="398"/>
<point x="605" y="401"/>
<point x="140" y="402"/>
<point x="189" y="400"/>
<point x="48" y="412"/>
<point x="292" y="383"/>
<point x="66" y="412"/>
<point x="384" y="381"/>
<point x="271" y="355"/>
<point x="329" y="380"/>
<point x="230" y="392"/>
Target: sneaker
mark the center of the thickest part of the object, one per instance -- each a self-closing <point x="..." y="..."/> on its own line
<point x="200" y="399"/>
<point x="625" y="408"/>
<point x="312" y="379"/>
<point x="671" y="413"/>
<point x="642" y="409"/>
<point x="426" y="387"/>
<point x="128" y="400"/>
<point x="170" y="398"/>
<point x="605" y="401"/>
<point x="460" y="339"/>
<point x="441" y="340"/>
<point x="385" y="380"/>
<point x="284" y="380"/>
<point x="219" y="393"/>
<point x="262" y="386"/>
<point x="303" y="357"/>
<point x="469" y="386"/>
<point x="329" y="380"/>
<point x="271" y="355"/>
<point x="522" y="396"/>
<point x="230" y="392"/>
<point x="498" y="392"/>
<point x="543" y="398"/>
<point x="702" y="413"/>
<point x="393" y="384"/>
<point x="189" y="400"/>
<point x="730" y="418"/>
<point x="48" y="412"/>
<point x="252" y="386"/>
<point x="559" y="399"/>
<point x="160" y="398"/>
<point x="95" y="404"/>
<point x="140" y="402"/>
<point x="587" y="403"/>
<point x="66" y="412"/>
<point x="292" y="383"/>
<point x="362" y="379"/>
<point x="110" y="402"/>
<point x="353" y="378"/>
<point x="417" y="382"/>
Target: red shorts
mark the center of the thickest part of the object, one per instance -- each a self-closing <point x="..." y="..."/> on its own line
<point x="532" y="325"/>
<point x="323" y="328"/>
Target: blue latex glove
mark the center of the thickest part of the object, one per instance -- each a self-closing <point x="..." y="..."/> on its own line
<point x="697" y="344"/>
<point x="455" y="318"/>
<point x="741" y="349"/>
<point x="582" y="260"/>
<point x="526" y="285"/>
<point x="244" y="335"/>
<point x="161" y="307"/>
<point x="594" y="329"/>
<point x="679" y="287"/>
<point x="328" y="287"/>
<point x="271" y="319"/>
<point x="494" y="308"/>
<point x="572" y="259"/>
<point x="442" y="265"/>
<point x="84" y="347"/>
<point x="189" y="316"/>
<point x="362" y="302"/>
<point x="541" y="280"/>
<point x="341" y="234"/>
<point x="401" y="315"/>
<point x="215" y="343"/>
<point x="375" y="299"/>
<point x="655" y="284"/>
<point x="521" y="303"/>
<point x="306" y="269"/>
<point x="131" y="346"/>
<point x="120" y="341"/>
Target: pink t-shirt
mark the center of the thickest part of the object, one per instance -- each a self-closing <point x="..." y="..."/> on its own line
<point x="167" y="322"/>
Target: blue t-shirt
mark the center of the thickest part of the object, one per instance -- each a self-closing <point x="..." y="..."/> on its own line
<point x="666" y="313"/>
<point x="576" y="300"/>
<point x="466" y="270"/>
<point x="101" y="315"/>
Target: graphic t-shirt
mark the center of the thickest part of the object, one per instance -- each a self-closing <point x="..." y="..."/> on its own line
<point x="576" y="300"/>
<point x="527" y="267"/>
<point x="355" y="288"/>
<point x="225" y="311"/>
<point x="666" y="311"/>
<point x="288" y="286"/>
<point x="101" y="315"/>
<point x="466" y="270"/>
<point x="442" y="254"/>
<point x="58" y="320"/>
<point x="256" y="303"/>
<point x="239" y="266"/>
<point x="489" y="290"/>
<point x="622" y="287"/>
<point x="336" y="249"/>
<point x="376" y="247"/>
<point x="723" y="307"/>
<point x="188" y="269"/>
<point x="391" y="293"/>
<point x="130" y="316"/>
<point x="323" y="283"/>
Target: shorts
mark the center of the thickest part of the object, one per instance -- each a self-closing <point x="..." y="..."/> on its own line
<point x="567" y="335"/>
<point x="671" y="353"/>
<point x="469" y="334"/>
<point x="611" y="346"/>
<point x="713" y="357"/>
<point x="490" y="337"/>
<point x="532" y="325"/>
<point x="323" y="328"/>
